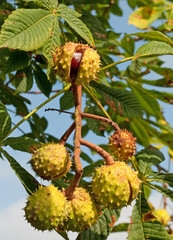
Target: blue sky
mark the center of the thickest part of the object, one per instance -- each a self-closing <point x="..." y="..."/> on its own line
<point x="13" y="195"/>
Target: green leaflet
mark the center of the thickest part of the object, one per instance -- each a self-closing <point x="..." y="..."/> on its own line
<point x="162" y="177"/>
<point x="5" y="122"/>
<point x="28" y="181"/>
<point x="167" y="192"/>
<point x="128" y="44"/>
<point x="163" y="96"/>
<point x="25" y="144"/>
<point x="53" y="41"/>
<point x="67" y="101"/>
<point x="148" y="157"/>
<point x="71" y="17"/>
<point x="163" y="82"/>
<point x="144" y="16"/>
<point x="147" y="101"/>
<point x="154" y="48"/>
<point x="140" y="131"/>
<point x="24" y="80"/>
<point x="124" y="101"/>
<point x="66" y="10"/>
<point x="7" y="95"/>
<point x="132" y="3"/>
<point x="49" y="4"/>
<point x="103" y="227"/>
<point x="142" y="229"/>
<point x="42" y="81"/>
<point x="17" y="60"/>
<point x="153" y="35"/>
<point x="26" y="29"/>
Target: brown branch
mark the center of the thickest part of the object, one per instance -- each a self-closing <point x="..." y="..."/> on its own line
<point x="77" y="92"/>
<point x="74" y="183"/>
<point x="103" y="119"/>
<point x="108" y="158"/>
<point x="39" y="92"/>
<point x="58" y="110"/>
<point x="64" y="138"/>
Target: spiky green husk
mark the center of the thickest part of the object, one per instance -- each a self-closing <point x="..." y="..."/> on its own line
<point x="63" y="59"/>
<point x="46" y="209"/>
<point x="51" y="161"/>
<point x="88" y="66"/>
<point x="122" y="145"/>
<point x="83" y="211"/>
<point x="115" y="185"/>
<point x="162" y="215"/>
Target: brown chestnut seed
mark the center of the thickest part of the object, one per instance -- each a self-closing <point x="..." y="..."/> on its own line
<point x="75" y="62"/>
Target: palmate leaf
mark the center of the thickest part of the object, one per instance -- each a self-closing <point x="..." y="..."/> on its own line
<point x="166" y="137"/>
<point x="67" y="101"/>
<point x="162" y="177"/>
<point x="17" y="60"/>
<point x="28" y="181"/>
<point x="167" y="192"/>
<point x="25" y="144"/>
<point x="148" y="157"/>
<point x="153" y="35"/>
<point x="124" y="101"/>
<point x="23" y="80"/>
<point x="71" y="17"/>
<point x="139" y="131"/>
<point x="26" y="29"/>
<point x="7" y="96"/>
<point x="53" y="41"/>
<point x="163" y="82"/>
<point x="146" y="100"/>
<point x="154" y="48"/>
<point x="49" y="4"/>
<point x="142" y="228"/>
<point x="5" y="122"/>
<point x="144" y="16"/>
<point x="103" y="227"/>
<point x="42" y="81"/>
<point x="163" y="96"/>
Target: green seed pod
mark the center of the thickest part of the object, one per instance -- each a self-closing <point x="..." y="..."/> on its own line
<point x="46" y="209"/>
<point x="115" y="185"/>
<point x="51" y="161"/>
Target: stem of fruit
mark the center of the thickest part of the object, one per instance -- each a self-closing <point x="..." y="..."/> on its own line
<point x="97" y="102"/>
<point x="64" y="138"/>
<point x="108" y="158"/>
<point x="77" y="92"/>
<point x="115" y="63"/>
<point x="35" y="110"/>
<point x="103" y="119"/>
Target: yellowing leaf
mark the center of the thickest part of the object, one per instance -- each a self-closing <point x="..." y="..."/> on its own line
<point x="144" y="16"/>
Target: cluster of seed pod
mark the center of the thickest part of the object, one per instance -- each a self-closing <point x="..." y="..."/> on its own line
<point x="114" y="185"/>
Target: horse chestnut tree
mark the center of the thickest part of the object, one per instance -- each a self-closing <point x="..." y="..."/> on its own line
<point x="69" y="51"/>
